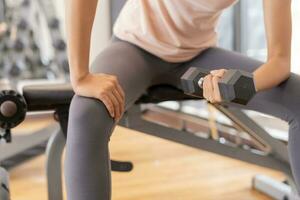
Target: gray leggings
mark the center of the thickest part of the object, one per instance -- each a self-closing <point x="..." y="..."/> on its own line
<point x="87" y="164"/>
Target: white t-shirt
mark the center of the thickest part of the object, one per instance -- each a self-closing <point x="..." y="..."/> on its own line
<point x="174" y="30"/>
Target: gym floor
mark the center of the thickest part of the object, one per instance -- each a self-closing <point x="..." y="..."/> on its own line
<point x="162" y="171"/>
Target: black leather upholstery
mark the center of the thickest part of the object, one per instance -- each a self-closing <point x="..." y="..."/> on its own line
<point x="47" y="96"/>
<point x="50" y="97"/>
<point x="159" y="93"/>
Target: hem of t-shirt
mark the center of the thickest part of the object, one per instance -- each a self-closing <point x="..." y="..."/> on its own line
<point x="170" y="59"/>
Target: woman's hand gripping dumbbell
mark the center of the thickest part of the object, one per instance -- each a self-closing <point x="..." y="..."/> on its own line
<point x="219" y="85"/>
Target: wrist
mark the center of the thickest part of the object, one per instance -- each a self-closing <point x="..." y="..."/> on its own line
<point x="77" y="79"/>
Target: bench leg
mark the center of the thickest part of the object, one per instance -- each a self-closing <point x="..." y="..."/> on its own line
<point x="4" y="187"/>
<point x="54" y="154"/>
<point x="273" y="188"/>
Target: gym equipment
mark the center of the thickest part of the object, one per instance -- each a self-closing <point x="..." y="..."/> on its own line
<point x="22" y="59"/>
<point x="276" y="190"/>
<point x="236" y="85"/>
<point x="12" y="111"/>
<point x="32" y="46"/>
<point x="4" y="187"/>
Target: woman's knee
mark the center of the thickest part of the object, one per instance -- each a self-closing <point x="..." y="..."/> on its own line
<point x="89" y="116"/>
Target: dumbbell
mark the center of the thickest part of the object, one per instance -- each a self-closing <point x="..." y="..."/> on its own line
<point x="19" y="45"/>
<point x="22" y="25"/>
<point x="235" y="86"/>
<point x="59" y="44"/>
<point x="15" y="69"/>
<point x="54" y="23"/>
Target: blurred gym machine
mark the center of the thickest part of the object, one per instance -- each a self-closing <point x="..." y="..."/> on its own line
<point x="32" y="51"/>
<point x="31" y="45"/>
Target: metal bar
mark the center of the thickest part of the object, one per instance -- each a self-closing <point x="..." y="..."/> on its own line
<point x="237" y="35"/>
<point x="212" y="122"/>
<point x="240" y="26"/>
<point x="203" y="122"/>
<point x="278" y="148"/>
<point x="22" y="143"/>
<point x="136" y="122"/>
<point x="273" y="188"/>
<point x="179" y="121"/>
<point x="54" y="153"/>
<point x="4" y="185"/>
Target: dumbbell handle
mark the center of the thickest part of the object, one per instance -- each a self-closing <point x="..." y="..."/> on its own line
<point x="201" y="80"/>
<point x="223" y="79"/>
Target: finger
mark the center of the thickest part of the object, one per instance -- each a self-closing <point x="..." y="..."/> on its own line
<point x="121" y="91"/>
<point x="120" y="102"/>
<point x="115" y="103"/>
<point x="216" y="90"/>
<point x="118" y="86"/>
<point x="204" y="88"/>
<point x="108" y="104"/>
<point x="213" y="72"/>
<point x="208" y="87"/>
<point x="121" y="96"/>
<point x="219" y="73"/>
<point x="211" y="90"/>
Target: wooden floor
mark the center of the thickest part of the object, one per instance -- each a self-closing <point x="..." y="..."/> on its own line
<point x="162" y="171"/>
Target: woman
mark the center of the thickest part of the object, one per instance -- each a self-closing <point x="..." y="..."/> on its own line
<point x="155" y="41"/>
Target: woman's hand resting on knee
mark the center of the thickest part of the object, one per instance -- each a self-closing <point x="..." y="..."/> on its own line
<point x="80" y="17"/>
<point x="104" y="87"/>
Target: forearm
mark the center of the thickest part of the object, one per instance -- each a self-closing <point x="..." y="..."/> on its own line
<point x="79" y="21"/>
<point x="272" y="73"/>
<point x="279" y="34"/>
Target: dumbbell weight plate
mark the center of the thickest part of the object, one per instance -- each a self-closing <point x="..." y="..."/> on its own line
<point x="189" y="81"/>
<point x="237" y="86"/>
<point x="13" y="109"/>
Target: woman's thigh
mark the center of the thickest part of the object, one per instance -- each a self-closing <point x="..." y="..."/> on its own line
<point x="90" y="125"/>
<point x="135" y="68"/>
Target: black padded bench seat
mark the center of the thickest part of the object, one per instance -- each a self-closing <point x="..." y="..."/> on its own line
<point x="51" y="96"/>
<point x="47" y="96"/>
